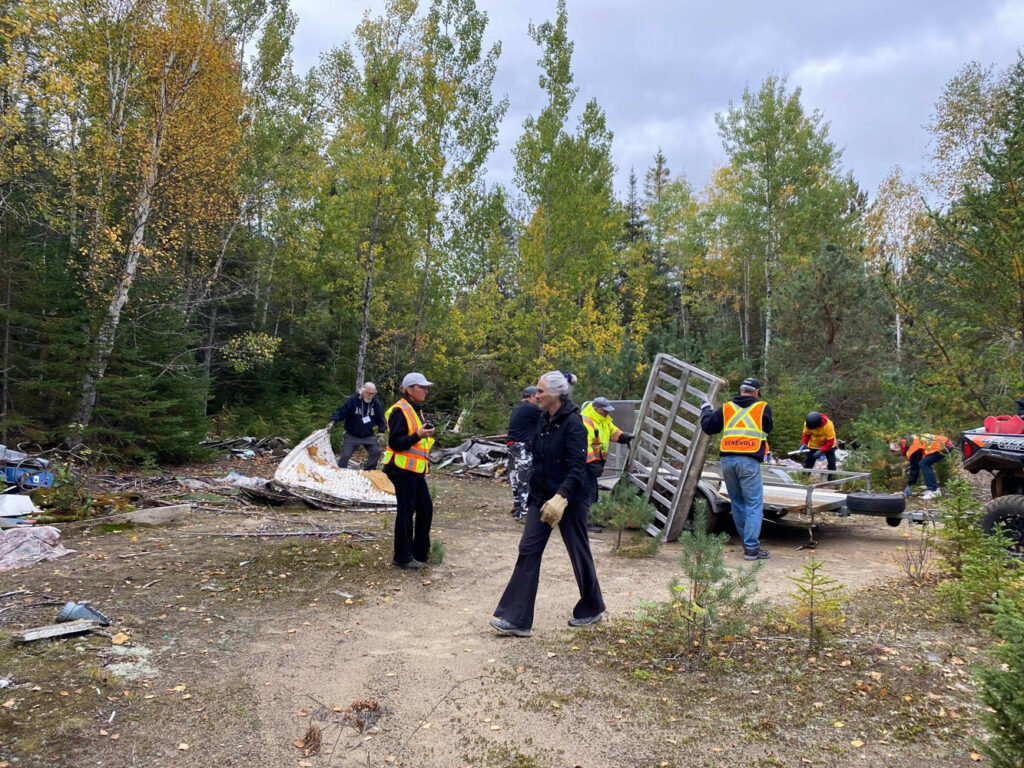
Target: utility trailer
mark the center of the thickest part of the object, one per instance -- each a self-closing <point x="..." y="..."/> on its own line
<point x="667" y="464"/>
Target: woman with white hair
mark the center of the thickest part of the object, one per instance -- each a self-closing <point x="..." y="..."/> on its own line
<point x="559" y="495"/>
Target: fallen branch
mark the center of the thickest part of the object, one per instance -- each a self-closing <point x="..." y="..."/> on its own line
<point x="281" y="534"/>
<point x="394" y="760"/>
<point x="15" y="592"/>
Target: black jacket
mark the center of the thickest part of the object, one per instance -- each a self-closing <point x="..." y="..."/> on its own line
<point x="713" y="422"/>
<point x="560" y="457"/>
<point x="352" y="411"/>
<point x="524" y="423"/>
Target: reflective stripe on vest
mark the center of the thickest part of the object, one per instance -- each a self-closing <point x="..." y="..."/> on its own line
<point x="743" y="432"/>
<point x="928" y="443"/>
<point x="413" y="459"/>
<point x="601" y="432"/>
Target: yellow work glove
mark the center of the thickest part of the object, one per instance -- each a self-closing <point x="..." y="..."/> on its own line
<point x="551" y="512"/>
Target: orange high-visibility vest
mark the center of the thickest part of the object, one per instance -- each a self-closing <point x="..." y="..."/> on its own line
<point x="413" y="459"/>
<point x="743" y="432"/>
<point x="925" y="442"/>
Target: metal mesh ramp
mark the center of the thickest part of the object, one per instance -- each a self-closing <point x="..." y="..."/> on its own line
<point x="668" y="452"/>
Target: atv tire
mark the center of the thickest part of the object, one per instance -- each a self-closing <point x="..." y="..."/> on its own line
<point x="1006" y="515"/>
<point x="874" y="503"/>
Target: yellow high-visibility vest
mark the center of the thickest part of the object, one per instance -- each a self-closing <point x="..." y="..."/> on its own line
<point x="601" y="432"/>
<point x="413" y="459"/>
<point x="743" y="432"/>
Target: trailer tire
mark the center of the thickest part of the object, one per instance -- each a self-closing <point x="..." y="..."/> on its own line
<point x="893" y="522"/>
<point x="1006" y="514"/>
<point x="705" y="499"/>
<point x="894" y="503"/>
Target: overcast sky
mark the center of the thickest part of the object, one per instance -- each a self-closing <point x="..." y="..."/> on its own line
<point x="661" y="69"/>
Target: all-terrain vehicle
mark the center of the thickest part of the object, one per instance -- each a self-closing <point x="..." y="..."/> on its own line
<point x="1002" y="455"/>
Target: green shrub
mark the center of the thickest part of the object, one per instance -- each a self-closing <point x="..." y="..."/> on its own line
<point x="709" y="600"/>
<point x="623" y="509"/>
<point x="818" y="602"/>
<point x="1002" y="688"/>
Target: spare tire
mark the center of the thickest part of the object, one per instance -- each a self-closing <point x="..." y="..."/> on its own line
<point x="889" y="503"/>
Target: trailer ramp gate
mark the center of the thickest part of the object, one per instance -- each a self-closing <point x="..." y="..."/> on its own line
<point x="668" y="451"/>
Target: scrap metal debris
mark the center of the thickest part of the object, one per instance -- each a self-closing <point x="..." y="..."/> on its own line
<point x="481" y="456"/>
<point x="249" y="447"/>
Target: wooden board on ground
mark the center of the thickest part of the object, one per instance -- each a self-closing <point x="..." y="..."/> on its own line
<point x="56" y="630"/>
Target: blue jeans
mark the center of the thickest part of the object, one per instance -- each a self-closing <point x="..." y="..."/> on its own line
<point x="925" y="466"/>
<point x="742" y="475"/>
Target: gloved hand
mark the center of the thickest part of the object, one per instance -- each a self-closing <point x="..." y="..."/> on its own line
<point x="816" y="454"/>
<point x="625" y="438"/>
<point x="706" y="406"/>
<point x="330" y="426"/>
<point x="551" y="512"/>
<point x="804" y="449"/>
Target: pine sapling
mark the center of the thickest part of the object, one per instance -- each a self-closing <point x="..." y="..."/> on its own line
<point x="709" y="597"/>
<point x="819" y="602"/>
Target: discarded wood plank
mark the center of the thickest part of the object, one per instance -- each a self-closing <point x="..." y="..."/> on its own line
<point x="160" y="515"/>
<point x="151" y="516"/>
<point x="56" y="630"/>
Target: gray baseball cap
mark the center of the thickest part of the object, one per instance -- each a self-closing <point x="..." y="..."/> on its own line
<point x="602" y="402"/>
<point x="412" y="379"/>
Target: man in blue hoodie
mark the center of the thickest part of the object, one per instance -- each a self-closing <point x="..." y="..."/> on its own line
<point x="361" y="413"/>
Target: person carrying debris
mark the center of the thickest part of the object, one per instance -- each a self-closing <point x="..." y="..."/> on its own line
<point x="523" y="425"/>
<point x="361" y="413"/>
<point x="405" y="463"/>
<point x="744" y="422"/>
<point x="818" y="439"/>
<point x="923" y="451"/>
<point x="601" y="433"/>
<point x="559" y="495"/>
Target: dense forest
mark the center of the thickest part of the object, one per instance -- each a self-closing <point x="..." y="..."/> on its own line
<point x="196" y="238"/>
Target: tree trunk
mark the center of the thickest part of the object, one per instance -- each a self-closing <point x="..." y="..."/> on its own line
<point x="364" y="330"/>
<point x="107" y="333"/>
<point x="5" y="385"/>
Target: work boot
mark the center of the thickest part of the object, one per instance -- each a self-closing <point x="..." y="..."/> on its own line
<point x="756" y="554"/>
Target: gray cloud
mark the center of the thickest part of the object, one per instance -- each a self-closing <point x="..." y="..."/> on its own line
<point x="661" y="68"/>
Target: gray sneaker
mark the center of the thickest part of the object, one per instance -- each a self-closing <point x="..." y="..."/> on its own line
<point x="510" y="630"/>
<point x="586" y="620"/>
<point x="756" y="554"/>
<point x="412" y="565"/>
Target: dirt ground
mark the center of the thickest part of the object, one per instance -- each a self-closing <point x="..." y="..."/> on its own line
<point x="238" y="645"/>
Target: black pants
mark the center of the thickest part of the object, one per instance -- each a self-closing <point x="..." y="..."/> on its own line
<point x="596" y="469"/>
<point x="415" y="514"/>
<point x="830" y="457"/>
<point x="517" y="603"/>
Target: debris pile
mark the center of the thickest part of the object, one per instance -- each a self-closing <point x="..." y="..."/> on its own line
<point x="481" y="456"/>
<point x="249" y="447"/>
<point x="311" y="472"/>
